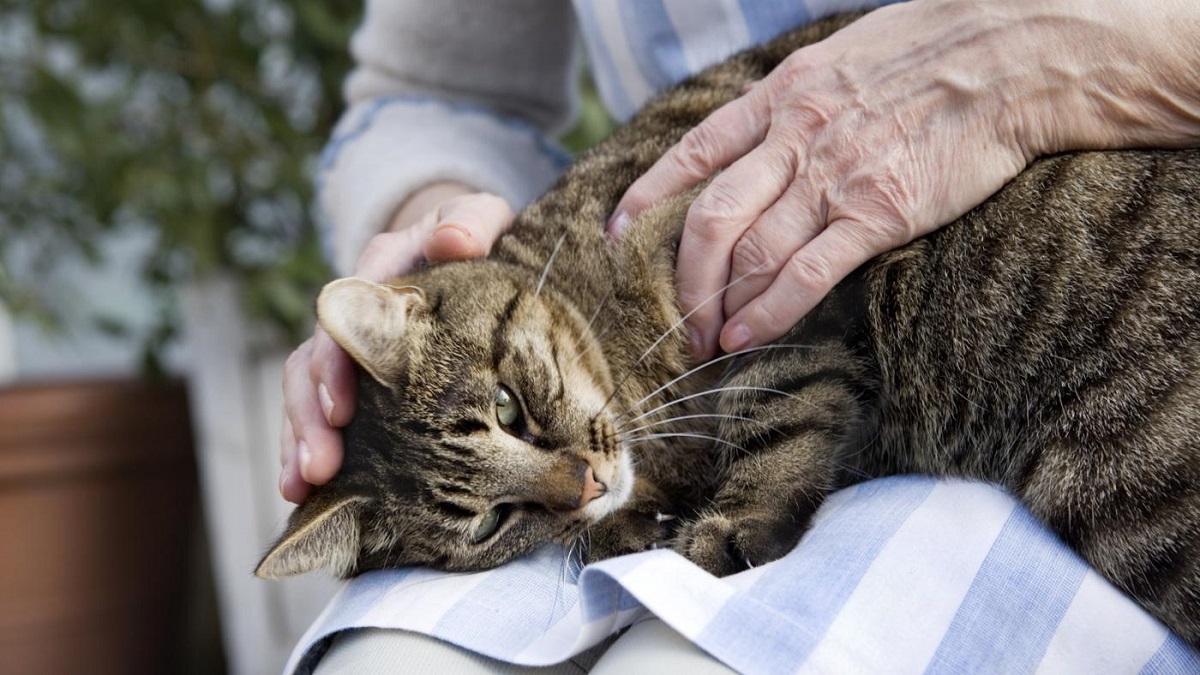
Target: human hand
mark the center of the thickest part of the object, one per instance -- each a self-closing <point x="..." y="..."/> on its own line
<point x="319" y="379"/>
<point x="888" y="129"/>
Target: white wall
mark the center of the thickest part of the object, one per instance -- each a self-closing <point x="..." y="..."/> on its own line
<point x="80" y="292"/>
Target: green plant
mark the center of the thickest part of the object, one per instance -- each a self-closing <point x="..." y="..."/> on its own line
<point x="199" y="121"/>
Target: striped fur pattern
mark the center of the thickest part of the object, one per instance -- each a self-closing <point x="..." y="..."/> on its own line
<point x="1047" y="342"/>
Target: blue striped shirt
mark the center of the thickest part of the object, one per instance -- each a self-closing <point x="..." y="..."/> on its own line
<point x="639" y="47"/>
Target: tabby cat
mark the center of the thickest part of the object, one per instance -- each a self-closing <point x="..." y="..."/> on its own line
<point x="1048" y="342"/>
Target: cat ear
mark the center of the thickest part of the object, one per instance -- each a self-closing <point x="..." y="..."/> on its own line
<point x="320" y="533"/>
<point x="368" y="320"/>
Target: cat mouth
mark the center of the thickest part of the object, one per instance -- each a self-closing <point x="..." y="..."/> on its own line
<point x="616" y="485"/>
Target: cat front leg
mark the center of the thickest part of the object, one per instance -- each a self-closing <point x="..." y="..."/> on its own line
<point x="790" y="422"/>
<point x="646" y="522"/>
<point x="760" y="514"/>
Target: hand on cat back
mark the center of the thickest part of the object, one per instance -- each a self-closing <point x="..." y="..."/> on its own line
<point x="897" y="125"/>
<point x="444" y="221"/>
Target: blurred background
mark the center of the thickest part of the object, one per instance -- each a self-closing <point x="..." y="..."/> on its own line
<point x="158" y="257"/>
<point x="158" y="260"/>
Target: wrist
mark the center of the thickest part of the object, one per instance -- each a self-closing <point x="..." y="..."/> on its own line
<point x="1110" y="76"/>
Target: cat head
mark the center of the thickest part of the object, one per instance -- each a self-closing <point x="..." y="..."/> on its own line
<point x="482" y="430"/>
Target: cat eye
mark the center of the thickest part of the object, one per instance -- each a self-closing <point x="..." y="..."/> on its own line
<point x="508" y="410"/>
<point x="492" y="520"/>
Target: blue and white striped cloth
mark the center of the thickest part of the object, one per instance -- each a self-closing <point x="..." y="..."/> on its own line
<point x="898" y="575"/>
<point x="639" y="47"/>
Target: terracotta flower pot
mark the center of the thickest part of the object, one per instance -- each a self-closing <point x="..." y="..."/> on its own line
<point x="98" y="516"/>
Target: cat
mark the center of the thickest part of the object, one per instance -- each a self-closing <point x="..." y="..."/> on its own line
<point x="1048" y="342"/>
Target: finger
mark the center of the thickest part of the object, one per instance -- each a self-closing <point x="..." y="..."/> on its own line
<point x="715" y="222"/>
<point x="318" y="453"/>
<point x="291" y="486"/>
<point x="727" y="134"/>
<point x="287" y="441"/>
<point x="331" y="372"/>
<point x="390" y="254"/>
<point x="802" y="282"/>
<point x="782" y="230"/>
<point x="467" y="227"/>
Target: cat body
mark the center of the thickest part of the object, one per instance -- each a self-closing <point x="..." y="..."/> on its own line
<point x="1048" y="341"/>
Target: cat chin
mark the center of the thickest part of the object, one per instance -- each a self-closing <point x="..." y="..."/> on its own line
<point x="620" y="487"/>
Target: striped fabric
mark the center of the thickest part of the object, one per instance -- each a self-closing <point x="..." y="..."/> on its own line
<point x="899" y="575"/>
<point x="638" y="47"/>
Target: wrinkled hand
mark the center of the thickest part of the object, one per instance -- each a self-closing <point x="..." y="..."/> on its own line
<point x="888" y="129"/>
<point x="319" y="379"/>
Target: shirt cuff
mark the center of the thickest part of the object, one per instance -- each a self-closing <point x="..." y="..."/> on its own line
<point x="385" y="148"/>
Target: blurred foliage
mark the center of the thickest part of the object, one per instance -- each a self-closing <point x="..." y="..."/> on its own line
<point x="198" y="121"/>
<point x="594" y="123"/>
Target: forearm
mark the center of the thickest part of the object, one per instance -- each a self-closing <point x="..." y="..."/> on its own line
<point x="1114" y="74"/>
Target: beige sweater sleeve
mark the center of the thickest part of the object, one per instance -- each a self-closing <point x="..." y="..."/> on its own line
<point x="460" y="90"/>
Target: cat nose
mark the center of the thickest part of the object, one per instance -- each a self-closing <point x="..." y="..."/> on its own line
<point x="570" y="487"/>
<point x="592" y="488"/>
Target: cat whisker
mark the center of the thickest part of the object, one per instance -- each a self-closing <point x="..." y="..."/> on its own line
<point x="566" y="574"/>
<point x="855" y="472"/>
<point x="718" y="390"/>
<point x="676" y="325"/>
<point x="845" y="465"/>
<point x="680" y="434"/>
<point x="695" y="309"/>
<point x="705" y="365"/>
<point x="681" y="418"/>
<point x="388" y="556"/>
<point x="549" y="264"/>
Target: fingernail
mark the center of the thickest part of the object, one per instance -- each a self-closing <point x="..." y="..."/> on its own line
<point x="737" y="338"/>
<point x="305" y="458"/>
<point x="618" y="225"/>
<point x="326" y="402"/>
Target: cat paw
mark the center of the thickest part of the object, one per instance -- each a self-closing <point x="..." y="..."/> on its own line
<point x="722" y="546"/>
<point x="628" y="531"/>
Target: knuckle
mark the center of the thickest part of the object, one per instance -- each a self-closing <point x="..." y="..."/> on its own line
<point x="716" y="210"/>
<point x="810" y="273"/>
<point x="700" y="308"/>
<point x="794" y="70"/>
<point x="689" y="298"/>
<point x="811" y="119"/>
<point x="751" y="258"/>
<point x="696" y="155"/>
<point x="897" y="224"/>
<point x="769" y="320"/>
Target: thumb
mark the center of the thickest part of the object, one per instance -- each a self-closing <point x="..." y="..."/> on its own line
<point x="467" y="227"/>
